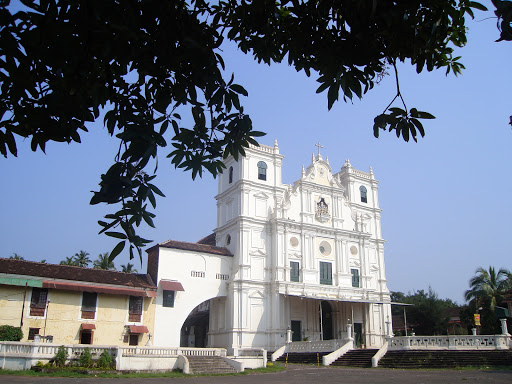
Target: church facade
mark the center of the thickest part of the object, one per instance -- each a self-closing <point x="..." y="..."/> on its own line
<point x="306" y="257"/>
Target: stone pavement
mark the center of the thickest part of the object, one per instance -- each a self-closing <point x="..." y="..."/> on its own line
<point x="301" y="374"/>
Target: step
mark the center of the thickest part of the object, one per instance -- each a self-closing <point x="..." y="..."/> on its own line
<point x="356" y="358"/>
<point x="445" y="359"/>
<point x="209" y="364"/>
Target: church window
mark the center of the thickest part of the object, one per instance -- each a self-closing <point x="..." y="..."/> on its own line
<point x="230" y="175"/>
<point x="325" y="273"/>
<point x="325" y="248"/>
<point x="135" y="308"/>
<point x="362" y="189"/>
<point x="355" y="277"/>
<point x="168" y="299"/>
<point x="89" y="305"/>
<point x="38" y="301"/>
<point x="262" y="170"/>
<point x="294" y="271"/>
<point x="228" y="239"/>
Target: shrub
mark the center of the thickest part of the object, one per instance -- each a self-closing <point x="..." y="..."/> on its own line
<point x="10" y="333"/>
<point x="85" y="358"/>
<point x="105" y="361"/>
<point x="61" y="356"/>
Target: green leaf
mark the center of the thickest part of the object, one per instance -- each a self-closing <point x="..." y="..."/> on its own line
<point x="117" y="235"/>
<point x="239" y="89"/>
<point x="425" y="115"/>
<point x="480" y="7"/>
<point x="116" y="251"/>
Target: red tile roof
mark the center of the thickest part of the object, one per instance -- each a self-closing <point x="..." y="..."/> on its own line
<point x="68" y="272"/>
<point x="196" y="247"/>
<point x="209" y="240"/>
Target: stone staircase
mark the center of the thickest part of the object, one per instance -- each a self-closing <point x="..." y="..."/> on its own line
<point x="445" y="359"/>
<point x="303" y="357"/>
<point x="209" y="364"/>
<point x="361" y="358"/>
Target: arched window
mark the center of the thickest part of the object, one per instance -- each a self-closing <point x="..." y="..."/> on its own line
<point x="362" y="189"/>
<point x="228" y="239"/>
<point x="262" y="170"/>
<point x="230" y="175"/>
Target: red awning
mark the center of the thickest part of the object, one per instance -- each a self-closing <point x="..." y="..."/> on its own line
<point x="88" y="326"/>
<point x="138" y="329"/>
<point x="171" y="285"/>
<point x="99" y="289"/>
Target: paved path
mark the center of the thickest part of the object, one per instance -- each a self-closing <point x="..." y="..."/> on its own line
<point x="297" y="374"/>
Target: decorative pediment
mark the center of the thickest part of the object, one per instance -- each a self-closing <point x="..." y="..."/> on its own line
<point x="374" y="268"/>
<point x="355" y="263"/>
<point x="257" y="295"/>
<point x="261" y="195"/>
<point x="257" y="252"/>
<point x="294" y="255"/>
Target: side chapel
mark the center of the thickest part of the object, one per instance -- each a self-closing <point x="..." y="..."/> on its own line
<point x="306" y="257"/>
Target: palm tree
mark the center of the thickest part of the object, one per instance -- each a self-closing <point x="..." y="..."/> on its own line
<point x="103" y="262"/>
<point x="69" y="261"/>
<point x="15" y="256"/>
<point x="128" y="268"/>
<point x="82" y="259"/>
<point x="487" y="286"/>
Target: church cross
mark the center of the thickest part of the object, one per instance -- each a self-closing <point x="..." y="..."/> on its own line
<point x="319" y="146"/>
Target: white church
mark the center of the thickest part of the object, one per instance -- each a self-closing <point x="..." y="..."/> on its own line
<point x="306" y="258"/>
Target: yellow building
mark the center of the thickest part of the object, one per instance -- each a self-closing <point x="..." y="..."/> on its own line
<point x="74" y="305"/>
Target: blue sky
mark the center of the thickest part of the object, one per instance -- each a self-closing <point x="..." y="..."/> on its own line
<point x="446" y="199"/>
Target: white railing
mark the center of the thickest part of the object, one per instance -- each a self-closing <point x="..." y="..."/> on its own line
<point x="315" y="346"/>
<point x="462" y="342"/>
<point x="149" y="351"/>
<point x="202" y="351"/>
<point x="14" y="348"/>
<point x="262" y="147"/>
<point x="246" y="352"/>
<point x="379" y="355"/>
<point x="22" y="355"/>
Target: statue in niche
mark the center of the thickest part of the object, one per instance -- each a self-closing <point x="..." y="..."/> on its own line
<point x="322" y="211"/>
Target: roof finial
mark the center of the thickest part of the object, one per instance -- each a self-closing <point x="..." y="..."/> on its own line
<point x="319" y="146"/>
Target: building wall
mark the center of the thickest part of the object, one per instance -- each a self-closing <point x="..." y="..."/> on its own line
<point x="203" y="277"/>
<point x="63" y="319"/>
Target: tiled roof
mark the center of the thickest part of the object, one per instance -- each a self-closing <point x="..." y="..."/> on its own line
<point x="196" y="247"/>
<point x="68" y="272"/>
<point x="209" y="240"/>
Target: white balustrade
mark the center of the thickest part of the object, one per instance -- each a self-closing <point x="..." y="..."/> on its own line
<point x="462" y="342"/>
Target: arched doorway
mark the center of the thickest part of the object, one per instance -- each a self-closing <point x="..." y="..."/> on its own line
<point x="194" y="332"/>
<point x="326" y="320"/>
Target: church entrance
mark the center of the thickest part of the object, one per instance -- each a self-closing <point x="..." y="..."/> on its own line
<point x="358" y="334"/>
<point x="194" y="332"/>
<point x="296" y="330"/>
<point x="326" y="320"/>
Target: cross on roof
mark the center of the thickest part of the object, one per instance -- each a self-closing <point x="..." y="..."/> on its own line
<point x="319" y="146"/>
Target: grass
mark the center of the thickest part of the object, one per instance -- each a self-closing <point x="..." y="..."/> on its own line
<point x="168" y="374"/>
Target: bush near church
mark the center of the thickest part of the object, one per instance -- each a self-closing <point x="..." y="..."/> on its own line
<point x="10" y="333"/>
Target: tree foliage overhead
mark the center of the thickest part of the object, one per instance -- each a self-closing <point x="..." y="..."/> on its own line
<point x="142" y="64"/>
